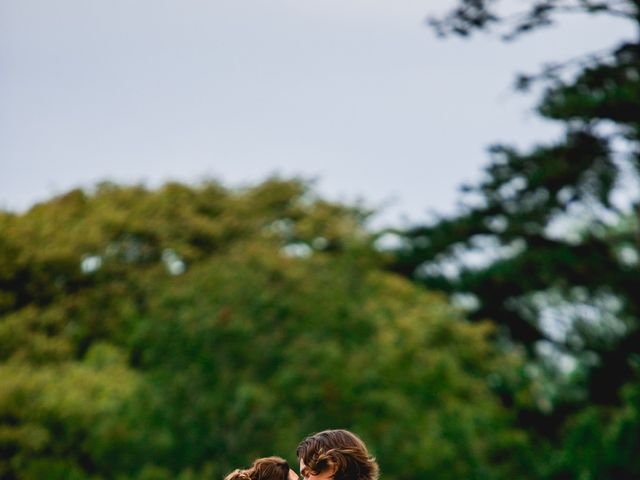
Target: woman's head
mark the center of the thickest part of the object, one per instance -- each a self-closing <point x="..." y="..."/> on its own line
<point x="337" y="454"/>
<point x="268" y="468"/>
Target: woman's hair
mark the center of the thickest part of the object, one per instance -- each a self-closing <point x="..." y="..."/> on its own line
<point x="268" y="468"/>
<point x="339" y="449"/>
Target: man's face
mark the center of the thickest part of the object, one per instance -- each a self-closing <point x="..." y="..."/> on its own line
<point x="292" y="475"/>
<point x="307" y="474"/>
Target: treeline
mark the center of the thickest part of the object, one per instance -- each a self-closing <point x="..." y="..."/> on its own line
<point x="179" y="333"/>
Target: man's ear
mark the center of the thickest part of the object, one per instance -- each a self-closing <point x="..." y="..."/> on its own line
<point x="332" y="469"/>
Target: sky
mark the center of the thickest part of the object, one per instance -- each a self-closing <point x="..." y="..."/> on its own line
<point x="358" y="95"/>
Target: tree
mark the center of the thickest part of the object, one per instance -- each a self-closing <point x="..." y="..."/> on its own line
<point x="184" y="331"/>
<point x="541" y="247"/>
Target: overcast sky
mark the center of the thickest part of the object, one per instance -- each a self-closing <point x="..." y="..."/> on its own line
<point x="358" y="94"/>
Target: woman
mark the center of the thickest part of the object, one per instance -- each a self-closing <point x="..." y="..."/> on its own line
<point x="268" y="468"/>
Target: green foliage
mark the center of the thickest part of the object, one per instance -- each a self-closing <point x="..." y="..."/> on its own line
<point x="57" y="418"/>
<point x="602" y="442"/>
<point x="182" y="332"/>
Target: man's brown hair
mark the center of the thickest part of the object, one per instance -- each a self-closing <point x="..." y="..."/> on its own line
<point x="268" y="468"/>
<point x="340" y="450"/>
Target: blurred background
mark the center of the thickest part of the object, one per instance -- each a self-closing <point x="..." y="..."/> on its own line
<point x="225" y="226"/>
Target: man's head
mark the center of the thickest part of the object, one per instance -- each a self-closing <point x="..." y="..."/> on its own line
<point x="337" y="455"/>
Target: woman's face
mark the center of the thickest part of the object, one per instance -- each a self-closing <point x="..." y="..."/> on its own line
<point x="307" y="474"/>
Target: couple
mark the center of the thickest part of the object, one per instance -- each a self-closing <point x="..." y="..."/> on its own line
<point x="332" y="454"/>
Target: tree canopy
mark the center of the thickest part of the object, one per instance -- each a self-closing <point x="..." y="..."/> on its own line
<point x="184" y="331"/>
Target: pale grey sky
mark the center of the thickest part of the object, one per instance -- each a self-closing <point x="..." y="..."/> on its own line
<point x="358" y="94"/>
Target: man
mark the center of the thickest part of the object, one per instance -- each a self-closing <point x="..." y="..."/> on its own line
<point x="336" y="455"/>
